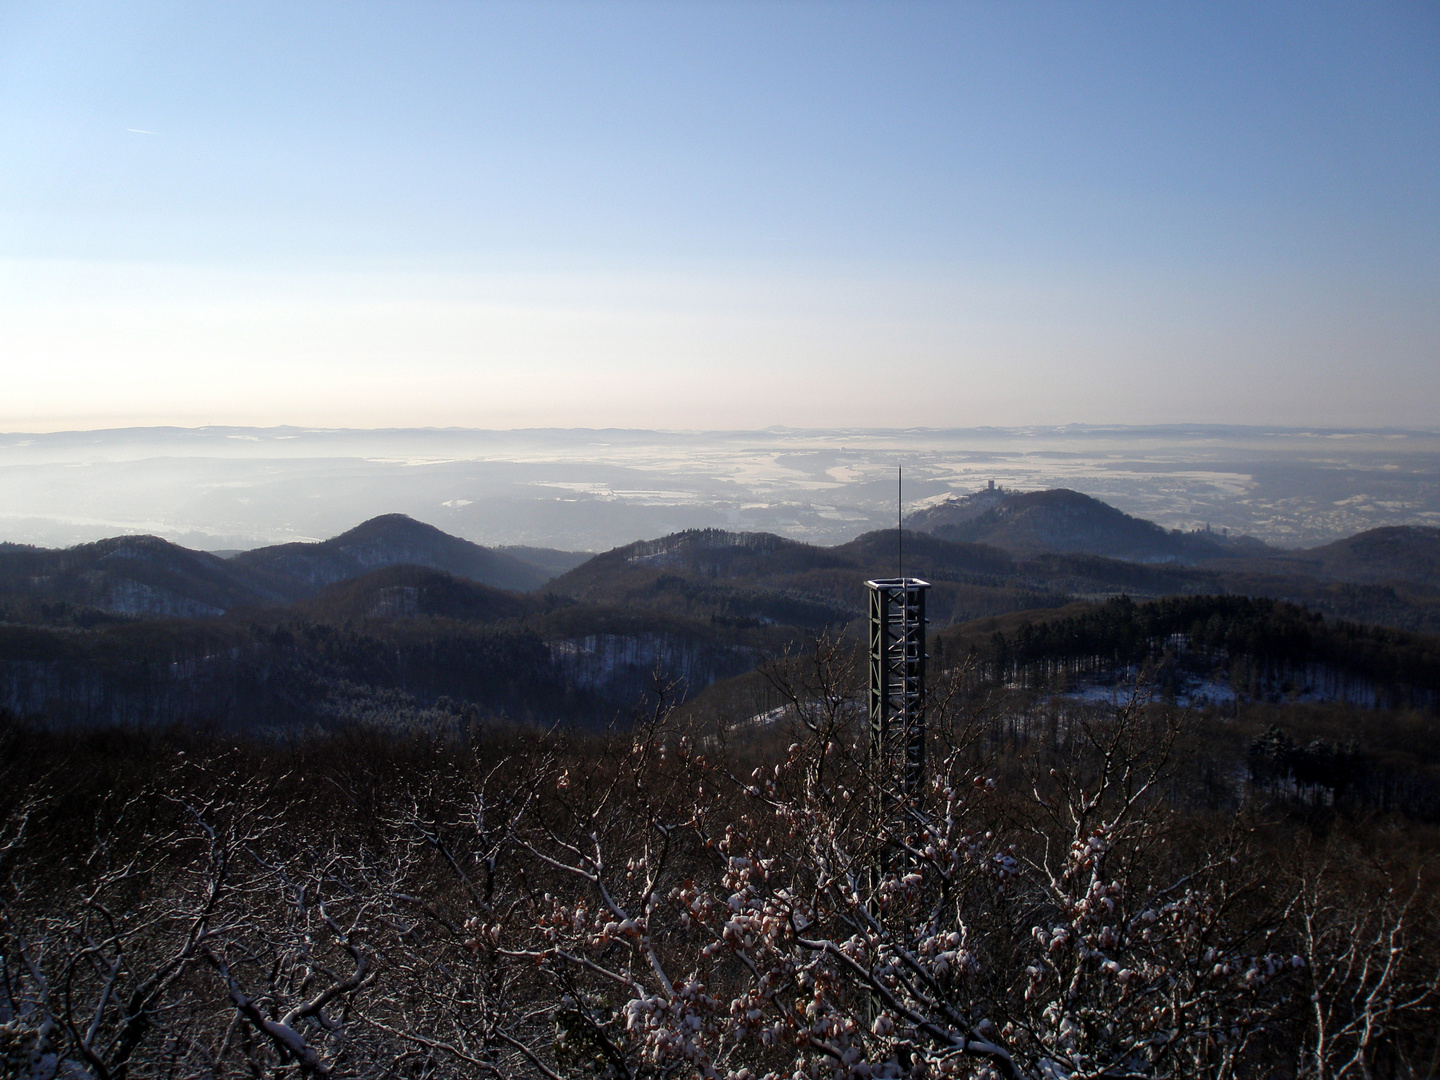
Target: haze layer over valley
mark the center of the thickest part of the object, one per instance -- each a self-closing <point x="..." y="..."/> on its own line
<point x="235" y="488"/>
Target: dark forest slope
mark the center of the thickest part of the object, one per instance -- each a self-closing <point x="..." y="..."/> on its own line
<point x="1408" y="554"/>
<point x="408" y="591"/>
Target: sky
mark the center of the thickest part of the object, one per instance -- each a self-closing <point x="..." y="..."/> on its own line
<point x="718" y="215"/>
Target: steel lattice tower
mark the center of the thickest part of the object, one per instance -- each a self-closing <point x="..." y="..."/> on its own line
<point x="897" y="681"/>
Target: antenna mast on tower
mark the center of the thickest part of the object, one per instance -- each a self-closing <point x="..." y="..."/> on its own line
<point x="897" y="669"/>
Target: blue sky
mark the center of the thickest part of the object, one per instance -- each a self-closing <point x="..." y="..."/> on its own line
<point x="719" y="215"/>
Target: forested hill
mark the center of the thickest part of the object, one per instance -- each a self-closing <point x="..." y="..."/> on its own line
<point x="395" y="617"/>
<point x="758" y="578"/>
<point x="128" y="575"/>
<point x="387" y="541"/>
<point x="736" y="579"/>
<point x="1038" y="548"/>
<point x="147" y="576"/>
<point x="1399" y="554"/>
<point x="1061" y="520"/>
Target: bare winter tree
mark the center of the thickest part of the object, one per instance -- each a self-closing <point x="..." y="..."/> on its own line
<point x="1369" y="966"/>
<point x="97" y="971"/>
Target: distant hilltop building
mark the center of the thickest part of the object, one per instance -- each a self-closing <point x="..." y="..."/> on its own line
<point x="961" y="507"/>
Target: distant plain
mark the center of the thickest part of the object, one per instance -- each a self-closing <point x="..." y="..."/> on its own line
<point x="228" y="488"/>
